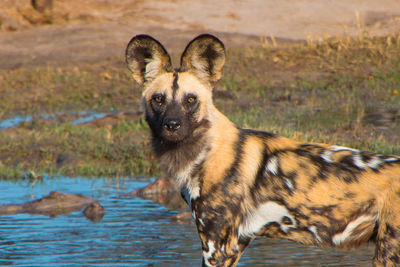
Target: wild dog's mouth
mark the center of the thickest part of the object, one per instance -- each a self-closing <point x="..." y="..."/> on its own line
<point x="178" y="134"/>
<point x="171" y="130"/>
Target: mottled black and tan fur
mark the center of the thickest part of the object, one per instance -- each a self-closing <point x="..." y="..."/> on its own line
<point x="242" y="183"/>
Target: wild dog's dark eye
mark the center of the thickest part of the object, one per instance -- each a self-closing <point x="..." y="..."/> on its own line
<point x="191" y="99"/>
<point x="159" y="99"/>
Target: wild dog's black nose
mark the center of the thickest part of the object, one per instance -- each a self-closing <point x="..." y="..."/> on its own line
<point x="172" y="124"/>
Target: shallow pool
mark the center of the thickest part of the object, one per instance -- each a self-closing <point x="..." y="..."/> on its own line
<point x="133" y="232"/>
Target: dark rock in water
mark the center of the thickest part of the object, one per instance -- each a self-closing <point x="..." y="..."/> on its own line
<point x="11" y="209"/>
<point x="170" y="200"/>
<point x="54" y="204"/>
<point x="94" y="212"/>
<point x="164" y="191"/>
<point x="160" y="185"/>
<point x="57" y="203"/>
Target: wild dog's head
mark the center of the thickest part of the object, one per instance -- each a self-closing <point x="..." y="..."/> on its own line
<point x="176" y="101"/>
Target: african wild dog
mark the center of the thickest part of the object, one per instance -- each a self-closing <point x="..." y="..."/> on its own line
<point x="243" y="183"/>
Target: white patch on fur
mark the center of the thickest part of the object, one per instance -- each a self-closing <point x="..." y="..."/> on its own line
<point x="201" y="222"/>
<point x="211" y="250"/>
<point x="359" y="162"/>
<point x="223" y="248"/>
<point x="342" y="148"/>
<point x="289" y="184"/>
<point x="266" y="213"/>
<point x="272" y="166"/>
<point x="184" y="179"/>
<point x="313" y="229"/>
<point x="194" y="190"/>
<point x="392" y="159"/>
<point x="346" y="235"/>
<point x="374" y="163"/>
<point x="327" y="156"/>
<point x="357" y="158"/>
<point x="184" y="175"/>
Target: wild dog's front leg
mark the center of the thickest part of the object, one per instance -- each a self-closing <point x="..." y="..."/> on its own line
<point x="218" y="232"/>
<point x="222" y="251"/>
<point x="387" y="252"/>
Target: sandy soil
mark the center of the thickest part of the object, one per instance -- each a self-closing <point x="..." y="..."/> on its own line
<point x="93" y="30"/>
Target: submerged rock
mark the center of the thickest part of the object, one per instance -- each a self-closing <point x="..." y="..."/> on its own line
<point x="94" y="212"/>
<point x="183" y="217"/>
<point x="164" y="191"/>
<point x="56" y="203"/>
<point x="161" y="185"/>
<point x="11" y="209"/>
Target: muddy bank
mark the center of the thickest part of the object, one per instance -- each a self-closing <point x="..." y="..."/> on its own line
<point x="93" y="30"/>
<point x="90" y="43"/>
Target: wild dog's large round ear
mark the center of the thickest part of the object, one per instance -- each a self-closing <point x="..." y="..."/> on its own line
<point x="205" y="55"/>
<point x="146" y="58"/>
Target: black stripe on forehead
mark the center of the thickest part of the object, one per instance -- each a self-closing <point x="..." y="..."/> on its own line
<point x="175" y="85"/>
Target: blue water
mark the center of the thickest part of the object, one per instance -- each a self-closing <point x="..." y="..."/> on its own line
<point x="84" y="117"/>
<point x="87" y="117"/>
<point x="14" y="121"/>
<point x="133" y="232"/>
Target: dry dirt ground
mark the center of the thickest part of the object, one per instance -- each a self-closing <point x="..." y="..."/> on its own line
<point x="92" y="30"/>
